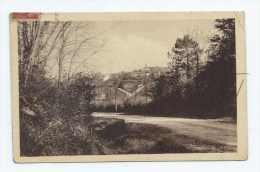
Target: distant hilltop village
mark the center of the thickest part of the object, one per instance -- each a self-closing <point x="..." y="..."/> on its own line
<point x="126" y="87"/>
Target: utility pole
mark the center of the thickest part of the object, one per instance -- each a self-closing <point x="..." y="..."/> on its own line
<point x="115" y="92"/>
<point x="96" y="91"/>
<point x="109" y="99"/>
<point x="95" y="95"/>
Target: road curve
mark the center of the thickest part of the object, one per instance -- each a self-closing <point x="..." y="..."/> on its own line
<point x="208" y="130"/>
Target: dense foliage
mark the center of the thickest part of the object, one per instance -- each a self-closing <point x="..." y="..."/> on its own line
<point x="54" y="112"/>
<point x="196" y="88"/>
<point x="58" y="123"/>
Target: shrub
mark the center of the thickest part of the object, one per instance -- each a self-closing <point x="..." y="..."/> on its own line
<point x="60" y="124"/>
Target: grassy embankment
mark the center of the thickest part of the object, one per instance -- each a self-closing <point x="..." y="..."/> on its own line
<point x="100" y="136"/>
<point x="117" y="137"/>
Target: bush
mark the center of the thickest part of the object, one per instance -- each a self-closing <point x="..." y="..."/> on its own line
<point x="57" y="137"/>
<point x="74" y="95"/>
<point x="59" y="126"/>
<point x="108" y="128"/>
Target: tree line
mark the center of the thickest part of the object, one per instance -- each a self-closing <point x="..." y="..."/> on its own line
<point x="195" y="87"/>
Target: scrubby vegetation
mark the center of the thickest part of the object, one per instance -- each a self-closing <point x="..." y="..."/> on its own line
<point x="54" y="110"/>
<point x="117" y="137"/>
<point x="59" y="125"/>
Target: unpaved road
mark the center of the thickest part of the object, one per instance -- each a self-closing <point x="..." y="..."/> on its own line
<point x="207" y="130"/>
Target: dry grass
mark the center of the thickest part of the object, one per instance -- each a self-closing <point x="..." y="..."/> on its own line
<point x="151" y="139"/>
<point x="141" y="139"/>
<point x="53" y="136"/>
<point x="99" y="136"/>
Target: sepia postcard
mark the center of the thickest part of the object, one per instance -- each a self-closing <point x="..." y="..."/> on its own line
<point x="96" y="87"/>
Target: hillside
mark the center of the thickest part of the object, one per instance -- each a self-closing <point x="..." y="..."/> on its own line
<point x="123" y="87"/>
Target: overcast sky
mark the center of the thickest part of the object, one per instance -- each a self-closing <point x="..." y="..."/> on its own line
<point x="134" y="44"/>
<point x="131" y="45"/>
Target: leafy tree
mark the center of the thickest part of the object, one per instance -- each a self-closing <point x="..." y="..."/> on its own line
<point x="185" y="57"/>
<point x="77" y="94"/>
<point x="207" y="91"/>
<point x="223" y="45"/>
<point x="216" y="85"/>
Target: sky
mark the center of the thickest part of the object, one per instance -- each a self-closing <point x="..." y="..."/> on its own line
<point x="130" y="45"/>
<point x="133" y="44"/>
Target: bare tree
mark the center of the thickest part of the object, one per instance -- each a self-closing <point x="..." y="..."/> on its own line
<point x="70" y="43"/>
<point x="33" y="38"/>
